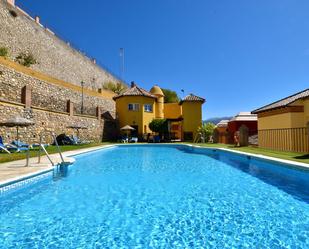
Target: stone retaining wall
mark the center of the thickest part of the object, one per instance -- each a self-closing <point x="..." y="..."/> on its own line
<point x="55" y="57"/>
<point x="47" y="120"/>
<point x="50" y="93"/>
<point x="47" y="95"/>
<point x="49" y="108"/>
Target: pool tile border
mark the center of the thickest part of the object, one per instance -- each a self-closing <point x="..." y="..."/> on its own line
<point x="15" y="185"/>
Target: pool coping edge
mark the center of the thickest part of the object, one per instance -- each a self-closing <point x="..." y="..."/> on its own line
<point x="260" y="156"/>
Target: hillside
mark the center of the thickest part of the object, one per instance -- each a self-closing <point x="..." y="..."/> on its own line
<point x="215" y="120"/>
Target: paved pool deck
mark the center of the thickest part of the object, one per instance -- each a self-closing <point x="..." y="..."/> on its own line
<point x="15" y="170"/>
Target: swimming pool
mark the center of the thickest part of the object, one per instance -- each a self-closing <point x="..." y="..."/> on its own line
<point x="161" y="197"/>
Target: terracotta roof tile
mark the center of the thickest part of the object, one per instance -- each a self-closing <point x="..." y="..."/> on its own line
<point x="192" y="98"/>
<point x="135" y="91"/>
<point x="283" y="102"/>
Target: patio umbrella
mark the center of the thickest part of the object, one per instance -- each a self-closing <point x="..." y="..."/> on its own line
<point x="127" y="128"/>
<point x="78" y="127"/>
<point x="17" y="122"/>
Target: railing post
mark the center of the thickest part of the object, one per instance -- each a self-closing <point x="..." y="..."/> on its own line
<point x="40" y="149"/>
<point x="28" y="156"/>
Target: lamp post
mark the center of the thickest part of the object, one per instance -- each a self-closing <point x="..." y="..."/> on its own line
<point x="82" y="106"/>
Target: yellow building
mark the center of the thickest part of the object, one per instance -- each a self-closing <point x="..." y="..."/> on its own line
<point x="137" y="107"/>
<point x="191" y="111"/>
<point x="284" y="124"/>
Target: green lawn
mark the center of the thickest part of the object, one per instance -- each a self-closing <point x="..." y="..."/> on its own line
<point x="5" y="157"/>
<point x="294" y="156"/>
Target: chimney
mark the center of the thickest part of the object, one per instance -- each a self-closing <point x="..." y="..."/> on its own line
<point x="37" y="19"/>
<point x="12" y="2"/>
<point x="133" y="84"/>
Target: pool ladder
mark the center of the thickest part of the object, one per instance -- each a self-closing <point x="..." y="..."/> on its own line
<point x="45" y="151"/>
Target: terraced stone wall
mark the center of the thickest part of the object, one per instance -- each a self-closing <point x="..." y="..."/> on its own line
<point x="47" y="120"/>
<point x="49" y="108"/>
<point x="55" y="57"/>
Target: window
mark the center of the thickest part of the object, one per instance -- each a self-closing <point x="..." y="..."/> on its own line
<point x="133" y="107"/>
<point x="148" y="108"/>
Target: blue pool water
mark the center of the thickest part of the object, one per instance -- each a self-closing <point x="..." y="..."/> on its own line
<point x="161" y="197"/>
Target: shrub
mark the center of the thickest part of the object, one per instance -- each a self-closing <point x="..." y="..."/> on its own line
<point x="4" y="51"/>
<point x="116" y="87"/>
<point x="206" y="130"/>
<point x="159" y="126"/>
<point x="170" y="96"/>
<point x="13" y="13"/>
<point x="26" y="59"/>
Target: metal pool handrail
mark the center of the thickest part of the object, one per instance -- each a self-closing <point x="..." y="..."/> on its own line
<point x="45" y="151"/>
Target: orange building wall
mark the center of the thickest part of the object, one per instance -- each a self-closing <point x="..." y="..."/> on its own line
<point x="140" y="117"/>
<point x="192" y="116"/>
<point x="172" y="110"/>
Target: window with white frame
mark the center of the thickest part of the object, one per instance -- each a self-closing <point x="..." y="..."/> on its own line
<point x="148" y="108"/>
<point x="133" y="107"/>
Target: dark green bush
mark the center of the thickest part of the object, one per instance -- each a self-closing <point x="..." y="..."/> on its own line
<point x="159" y="126"/>
<point x="4" y="51"/>
<point x="13" y="13"/>
<point x="26" y="59"/>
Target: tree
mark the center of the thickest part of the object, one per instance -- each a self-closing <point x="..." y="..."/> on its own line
<point x="116" y="87"/>
<point x="170" y="96"/>
<point x="206" y="130"/>
<point x="159" y="126"/>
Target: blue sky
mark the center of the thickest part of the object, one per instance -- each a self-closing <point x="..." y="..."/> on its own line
<point x="239" y="55"/>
